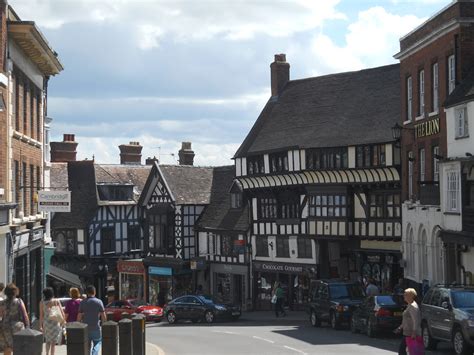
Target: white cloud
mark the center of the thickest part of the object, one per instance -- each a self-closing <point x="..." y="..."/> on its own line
<point x="184" y="20"/>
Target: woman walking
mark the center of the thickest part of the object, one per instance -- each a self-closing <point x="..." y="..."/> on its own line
<point x="51" y="319"/>
<point x="411" y="326"/>
<point x="280" y="295"/>
<point x="72" y="306"/>
<point x="13" y="315"/>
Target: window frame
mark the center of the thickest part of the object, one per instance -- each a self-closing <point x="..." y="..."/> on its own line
<point x="112" y="239"/>
<point x="136" y="238"/>
<point x="320" y="202"/>
<point x="236" y="200"/>
<point x="435" y="87"/>
<point x="461" y="122"/>
<point x="452" y="191"/>
<point x="255" y="165"/>
<point x="410" y="174"/>
<point x="451" y="73"/>
<point x="282" y="246"/>
<point x="327" y="158"/>
<point x="422" y="160"/>
<point x="261" y="246"/>
<point x="371" y="156"/>
<point x="421" y="92"/>
<point x="382" y="205"/>
<point x="306" y="244"/>
<point x="278" y="162"/>
<point x="409" y="87"/>
<point x="435" y="163"/>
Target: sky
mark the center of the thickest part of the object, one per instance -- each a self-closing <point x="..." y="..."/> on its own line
<point x="161" y="72"/>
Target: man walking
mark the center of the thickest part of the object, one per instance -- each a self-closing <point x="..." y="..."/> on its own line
<point x="91" y="311"/>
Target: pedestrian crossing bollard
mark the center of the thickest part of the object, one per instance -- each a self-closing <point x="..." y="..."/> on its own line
<point x="77" y="339"/>
<point x="138" y="334"/>
<point x="125" y="337"/>
<point x="28" y="342"/>
<point x="109" y="338"/>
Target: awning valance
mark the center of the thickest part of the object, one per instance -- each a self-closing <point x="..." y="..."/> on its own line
<point x="350" y="176"/>
<point x="64" y="276"/>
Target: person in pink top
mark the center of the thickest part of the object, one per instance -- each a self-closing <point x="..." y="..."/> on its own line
<point x="72" y="306"/>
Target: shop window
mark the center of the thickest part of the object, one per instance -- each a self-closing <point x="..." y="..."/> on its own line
<point x="255" y="165"/>
<point x="370" y="155"/>
<point x="328" y="205"/>
<point x="278" y="162"/>
<point x="305" y="248"/>
<point x="282" y="247"/>
<point x="65" y="241"/>
<point x="134" y="237"/>
<point x="326" y="158"/>
<point x="107" y="240"/>
<point x="384" y="206"/>
<point x="261" y="245"/>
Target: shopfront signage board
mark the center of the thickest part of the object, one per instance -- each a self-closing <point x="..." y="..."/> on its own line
<point x="157" y="270"/>
<point x="130" y="267"/>
<point x="54" y="201"/>
<point x="279" y="267"/>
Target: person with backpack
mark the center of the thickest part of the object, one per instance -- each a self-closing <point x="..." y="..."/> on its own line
<point x="51" y="319"/>
<point x="13" y="315"/>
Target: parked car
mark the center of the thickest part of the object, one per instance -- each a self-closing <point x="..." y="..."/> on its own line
<point x="333" y="301"/>
<point x="378" y="314"/>
<point x="197" y="308"/>
<point x="117" y="308"/>
<point x="447" y="314"/>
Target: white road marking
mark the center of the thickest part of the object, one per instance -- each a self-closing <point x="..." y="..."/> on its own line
<point x="223" y="332"/>
<point x="267" y="340"/>
<point x="298" y="351"/>
<point x="159" y="350"/>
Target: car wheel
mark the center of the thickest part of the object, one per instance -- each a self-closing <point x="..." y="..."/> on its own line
<point x="370" y="329"/>
<point x="460" y="345"/>
<point x="333" y="321"/>
<point x="354" y="326"/>
<point x="171" y="317"/>
<point x="428" y="342"/>
<point x="209" y="317"/>
<point x="313" y="318"/>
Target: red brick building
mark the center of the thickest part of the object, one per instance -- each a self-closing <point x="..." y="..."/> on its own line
<point x="26" y="64"/>
<point x="434" y="58"/>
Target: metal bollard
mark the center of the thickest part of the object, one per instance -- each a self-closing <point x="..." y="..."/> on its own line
<point x="28" y="342"/>
<point x="77" y="339"/>
<point x="109" y="338"/>
<point x="125" y="337"/>
<point x="138" y="334"/>
<point x="126" y="315"/>
<point x="110" y="316"/>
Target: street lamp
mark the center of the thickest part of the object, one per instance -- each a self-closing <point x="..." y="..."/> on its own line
<point x="397" y="132"/>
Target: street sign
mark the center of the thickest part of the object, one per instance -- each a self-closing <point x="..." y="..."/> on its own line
<point x="54" y="201"/>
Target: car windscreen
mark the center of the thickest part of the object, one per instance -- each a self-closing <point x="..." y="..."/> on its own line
<point x="138" y="303"/>
<point x="388" y="300"/>
<point x="351" y="291"/>
<point x="463" y="299"/>
<point x="207" y="299"/>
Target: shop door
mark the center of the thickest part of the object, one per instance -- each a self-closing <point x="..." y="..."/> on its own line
<point x="237" y="294"/>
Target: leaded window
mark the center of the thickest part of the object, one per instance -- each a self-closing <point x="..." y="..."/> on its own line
<point x="326" y="158"/>
<point x="328" y="205"/>
<point x="282" y="246"/>
<point x="278" y="162"/>
<point x="255" y="165"/>
<point x="384" y="205"/>
<point x="305" y="247"/>
<point x="261" y="245"/>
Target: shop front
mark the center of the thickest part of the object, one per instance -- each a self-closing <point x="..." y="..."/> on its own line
<point x="381" y="265"/>
<point x="132" y="280"/>
<point x="229" y="283"/>
<point x="294" y="279"/>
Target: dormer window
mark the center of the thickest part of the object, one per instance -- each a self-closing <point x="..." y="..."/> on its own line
<point x="115" y="192"/>
<point x="278" y="162"/>
<point x="255" y="165"/>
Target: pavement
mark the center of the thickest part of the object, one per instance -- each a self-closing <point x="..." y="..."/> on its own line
<point x="150" y="349"/>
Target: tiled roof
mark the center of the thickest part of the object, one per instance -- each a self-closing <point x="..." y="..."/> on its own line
<point x="59" y="176"/>
<point x="219" y="215"/>
<point x="328" y="111"/>
<point x="190" y="185"/>
<point x="463" y="92"/>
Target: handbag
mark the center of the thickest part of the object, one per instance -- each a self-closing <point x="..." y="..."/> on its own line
<point x="274" y="299"/>
<point x="56" y="315"/>
<point x="415" y="346"/>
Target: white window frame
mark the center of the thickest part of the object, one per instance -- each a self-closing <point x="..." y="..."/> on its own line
<point x="435" y="164"/>
<point x="461" y="122"/>
<point x="422" y="159"/>
<point x="409" y="84"/>
<point x="435" y="87"/>
<point x="451" y="73"/>
<point x="421" y="93"/>
<point x="452" y="190"/>
<point x="410" y="175"/>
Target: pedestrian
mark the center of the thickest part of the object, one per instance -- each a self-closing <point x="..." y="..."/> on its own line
<point x="52" y="319"/>
<point x="14" y="316"/>
<point x="72" y="306"/>
<point x="91" y="311"/>
<point x="411" y="326"/>
<point x="372" y="289"/>
<point x="279" y="294"/>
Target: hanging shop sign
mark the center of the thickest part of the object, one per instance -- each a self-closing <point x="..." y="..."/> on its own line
<point x="427" y="128"/>
<point x="54" y="201"/>
<point x="130" y="267"/>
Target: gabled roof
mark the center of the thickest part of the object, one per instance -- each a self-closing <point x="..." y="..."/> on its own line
<point x="190" y="185"/>
<point x="329" y="111"/>
<point x="123" y="175"/>
<point x="219" y="215"/>
<point x="463" y="92"/>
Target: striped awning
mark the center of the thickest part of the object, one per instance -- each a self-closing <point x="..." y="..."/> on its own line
<point x="352" y="176"/>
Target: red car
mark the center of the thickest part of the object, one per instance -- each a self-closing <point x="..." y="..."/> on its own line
<point x="152" y="313"/>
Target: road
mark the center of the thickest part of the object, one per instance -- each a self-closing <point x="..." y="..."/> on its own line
<point x="268" y="336"/>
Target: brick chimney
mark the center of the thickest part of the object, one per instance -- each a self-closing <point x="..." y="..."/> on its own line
<point x="280" y="73"/>
<point x="64" y="151"/>
<point x="186" y="154"/>
<point x="151" y="161"/>
<point x="131" y="153"/>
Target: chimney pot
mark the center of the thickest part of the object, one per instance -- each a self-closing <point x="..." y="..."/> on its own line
<point x="279" y="73"/>
<point x="186" y="154"/>
<point x="131" y="153"/>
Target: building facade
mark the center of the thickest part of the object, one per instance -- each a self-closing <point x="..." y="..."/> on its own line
<point x="434" y="58"/>
<point x="27" y="62"/>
